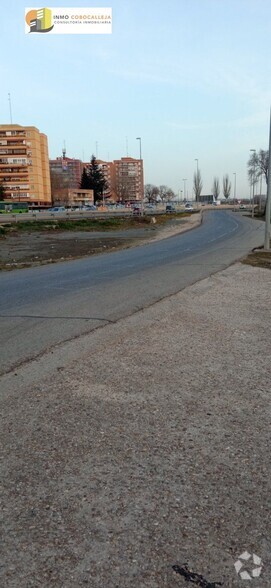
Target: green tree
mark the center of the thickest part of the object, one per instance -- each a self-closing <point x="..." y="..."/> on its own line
<point x="2" y="192"/>
<point x="93" y="179"/>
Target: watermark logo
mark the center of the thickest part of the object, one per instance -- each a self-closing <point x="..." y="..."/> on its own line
<point x="39" y="20"/>
<point x="248" y="566"/>
<point x="67" y="21"/>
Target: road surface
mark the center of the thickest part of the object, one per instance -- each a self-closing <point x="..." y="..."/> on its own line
<point x="44" y="306"/>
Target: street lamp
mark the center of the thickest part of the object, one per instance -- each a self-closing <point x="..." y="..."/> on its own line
<point x="141" y="172"/>
<point x="234" y="194"/>
<point x="268" y="198"/>
<point x="253" y="181"/>
<point x="184" y="180"/>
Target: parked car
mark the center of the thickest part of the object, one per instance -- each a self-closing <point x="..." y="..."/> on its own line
<point x="188" y="207"/>
<point x="170" y="208"/>
<point x="136" y="209"/>
<point x="90" y="207"/>
<point x="57" y="209"/>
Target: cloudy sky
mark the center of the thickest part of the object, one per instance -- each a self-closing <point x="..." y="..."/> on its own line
<point x="190" y="77"/>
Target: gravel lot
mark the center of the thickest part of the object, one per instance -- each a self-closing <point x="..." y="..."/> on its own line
<point x="32" y="248"/>
<point x="144" y="445"/>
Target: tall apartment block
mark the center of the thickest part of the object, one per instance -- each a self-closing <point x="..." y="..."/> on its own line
<point x="68" y="169"/>
<point x="128" y="179"/>
<point x="24" y="165"/>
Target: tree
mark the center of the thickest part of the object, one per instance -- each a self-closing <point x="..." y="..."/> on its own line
<point x="59" y="187"/>
<point x="93" y="179"/>
<point x="197" y="184"/>
<point x="151" y="192"/>
<point x="169" y="195"/>
<point x="216" y="188"/>
<point x="163" y="192"/>
<point x="226" y="186"/>
<point x="258" y="165"/>
<point x="2" y="192"/>
<point x="85" y="180"/>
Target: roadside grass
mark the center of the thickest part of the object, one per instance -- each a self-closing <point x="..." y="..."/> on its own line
<point x="259" y="258"/>
<point x="89" y="224"/>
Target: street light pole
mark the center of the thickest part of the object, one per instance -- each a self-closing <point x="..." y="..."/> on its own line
<point x="142" y="187"/>
<point x="268" y="198"/>
<point x="253" y="181"/>
<point x="234" y="196"/>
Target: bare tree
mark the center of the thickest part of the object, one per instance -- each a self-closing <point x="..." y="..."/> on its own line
<point x="59" y="187"/>
<point x="151" y="192"/>
<point x="123" y="189"/>
<point x="197" y="184"/>
<point x="170" y="195"/>
<point x="258" y="165"/>
<point x="216" y="188"/>
<point x="226" y="186"/>
<point x="163" y="190"/>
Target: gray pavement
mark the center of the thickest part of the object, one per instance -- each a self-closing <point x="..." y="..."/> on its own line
<point x="144" y="445"/>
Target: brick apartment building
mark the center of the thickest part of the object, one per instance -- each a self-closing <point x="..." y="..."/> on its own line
<point x="124" y="178"/>
<point x="128" y="179"/>
<point x="24" y="165"/>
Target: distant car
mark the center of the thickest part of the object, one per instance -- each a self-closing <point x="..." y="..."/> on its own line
<point x="57" y="209"/>
<point x="242" y="207"/>
<point x="136" y="210"/>
<point x="170" y="208"/>
<point x="188" y="207"/>
<point x="150" y="206"/>
<point x="90" y="207"/>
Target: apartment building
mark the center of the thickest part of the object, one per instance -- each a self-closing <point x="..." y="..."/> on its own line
<point x="68" y="169"/>
<point x="107" y="168"/>
<point x="24" y="165"/>
<point x="128" y="179"/>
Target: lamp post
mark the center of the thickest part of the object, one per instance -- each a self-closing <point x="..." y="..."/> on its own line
<point x="253" y="181"/>
<point x="268" y="198"/>
<point x="184" y="180"/>
<point x="142" y="187"/>
<point x="234" y="193"/>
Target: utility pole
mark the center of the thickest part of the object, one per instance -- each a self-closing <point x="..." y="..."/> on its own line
<point x="141" y="172"/>
<point x="253" y="184"/>
<point x="268" y="199"/>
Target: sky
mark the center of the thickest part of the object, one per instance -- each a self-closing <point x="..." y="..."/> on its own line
<point x="190" y="77"/>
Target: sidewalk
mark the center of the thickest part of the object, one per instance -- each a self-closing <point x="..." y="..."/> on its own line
<point x="145" y="445"/>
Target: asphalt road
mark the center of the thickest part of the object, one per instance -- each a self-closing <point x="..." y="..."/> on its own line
<point x="41" y="307"/>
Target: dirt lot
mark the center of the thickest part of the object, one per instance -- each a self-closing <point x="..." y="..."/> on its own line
<point x="24" y="247"/>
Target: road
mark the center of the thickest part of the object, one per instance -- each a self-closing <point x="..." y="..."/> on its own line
<point x="41" y="307"/>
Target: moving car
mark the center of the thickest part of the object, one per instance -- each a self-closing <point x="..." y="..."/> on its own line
<point x="170" y="208"/>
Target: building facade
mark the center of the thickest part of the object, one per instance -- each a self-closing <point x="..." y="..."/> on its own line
<point x="24" y="165"/>
<point x="128" y="179"/>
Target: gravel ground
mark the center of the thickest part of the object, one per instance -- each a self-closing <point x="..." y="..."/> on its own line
<point x="33" y="248"/>
<point x="139" y="456"/>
